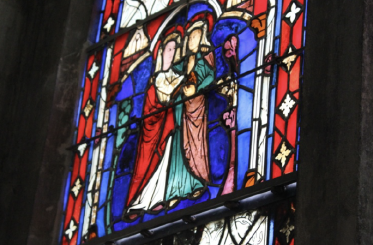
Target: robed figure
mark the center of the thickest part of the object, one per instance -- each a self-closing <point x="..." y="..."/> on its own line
<point x="148" y="183"/>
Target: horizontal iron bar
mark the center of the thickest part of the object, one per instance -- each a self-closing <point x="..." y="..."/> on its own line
<point x="250" y="198"/>
<point x="277" y="60"/>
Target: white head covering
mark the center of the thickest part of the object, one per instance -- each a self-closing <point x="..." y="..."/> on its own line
<point x="171" y="37"/>
<point x="204" y="42"/>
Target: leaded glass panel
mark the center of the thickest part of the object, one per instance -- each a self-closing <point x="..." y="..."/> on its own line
<point x="267" y="225"/>
<point x="183" y="106"/>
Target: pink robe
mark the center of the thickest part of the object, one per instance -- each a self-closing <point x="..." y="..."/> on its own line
<point x="195" y="137"/>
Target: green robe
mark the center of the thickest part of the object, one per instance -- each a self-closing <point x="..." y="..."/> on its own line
<point x="181" y="182"/>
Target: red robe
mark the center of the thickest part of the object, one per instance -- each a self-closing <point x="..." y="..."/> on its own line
<point x="153" y="135"/>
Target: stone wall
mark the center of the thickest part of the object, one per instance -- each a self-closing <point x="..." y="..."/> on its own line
<point x="335" y="174"/>
<point x="42" y="49"/>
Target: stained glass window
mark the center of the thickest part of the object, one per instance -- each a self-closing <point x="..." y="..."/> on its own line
<point x="268" y="225"/>
<point x="184" y="106"/>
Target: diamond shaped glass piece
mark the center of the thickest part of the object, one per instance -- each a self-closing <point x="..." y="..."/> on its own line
<point x="290" y="59"/>
<point x="93" y="70"/>
<point x="77" y="187"/>
<point x="292" y="13"/>
<point x="71" y="229"/>
<point x="287" y="106"/>
<point x="88" y="108"/>
<point x="283" y="154"/>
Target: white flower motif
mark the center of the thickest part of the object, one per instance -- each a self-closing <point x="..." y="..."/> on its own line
<point x="93" y="70"/>
<point x="81" y="149"/>
<point x="293" y="13"/>
<point x="284" y="152"/>
<point x="110" y="22"/>
<point x="287" y="105"/>
<point x="88" y="108"/>
<point x="69" y="232"/>
<point x="290" y="59"/>
<point x="287" y="230"/>
<point x="76" y="187"/>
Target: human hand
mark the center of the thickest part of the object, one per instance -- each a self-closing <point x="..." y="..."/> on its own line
<point x="189" y="89"/>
